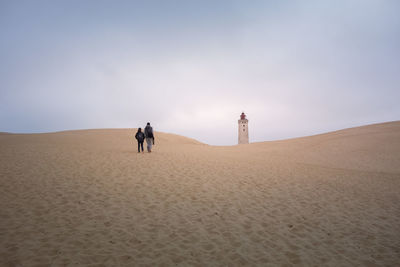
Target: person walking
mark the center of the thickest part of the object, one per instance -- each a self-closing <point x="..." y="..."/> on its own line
<point x="140" y="139"/>
<point x="148" y="132"/>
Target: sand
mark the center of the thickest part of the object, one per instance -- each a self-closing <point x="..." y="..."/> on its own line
<point x="87" y="198"/>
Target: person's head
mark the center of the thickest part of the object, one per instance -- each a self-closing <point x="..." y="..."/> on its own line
<point x="139" y="130"/>
<point x="148" y="124"/>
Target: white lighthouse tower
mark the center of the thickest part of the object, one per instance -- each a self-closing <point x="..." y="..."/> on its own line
<point x="243" y="136"/>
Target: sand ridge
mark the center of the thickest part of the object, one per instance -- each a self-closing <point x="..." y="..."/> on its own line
<point x="87" y="198"/>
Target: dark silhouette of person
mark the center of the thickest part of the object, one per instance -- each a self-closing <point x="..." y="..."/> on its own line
<point x="148" y="132"/>
<point x="140" y="139"/>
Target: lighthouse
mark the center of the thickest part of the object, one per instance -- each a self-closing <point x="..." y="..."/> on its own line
<point x="243" y="135"/>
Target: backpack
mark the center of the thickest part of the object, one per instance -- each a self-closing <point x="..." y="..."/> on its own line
<point x="140" y="136"/>
<point x="150" y="132"/>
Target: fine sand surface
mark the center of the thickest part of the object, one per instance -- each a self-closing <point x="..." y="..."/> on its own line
<point x="87" y="198"/>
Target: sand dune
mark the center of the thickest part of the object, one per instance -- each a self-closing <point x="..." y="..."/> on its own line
<point x="87" y="198"/>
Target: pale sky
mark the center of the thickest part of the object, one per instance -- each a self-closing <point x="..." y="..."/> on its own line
<point x="295" y="68"/>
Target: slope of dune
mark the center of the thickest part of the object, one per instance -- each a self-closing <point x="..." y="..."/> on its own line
<point x="87" y="198"/>
<point x="370" y="148"/>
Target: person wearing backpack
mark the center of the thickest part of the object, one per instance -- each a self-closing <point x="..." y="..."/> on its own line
<point x="140" y="139"/>
<point x="148" y="132"/>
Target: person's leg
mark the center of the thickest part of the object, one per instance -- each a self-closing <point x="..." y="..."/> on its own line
<point x="141" y="143"/>
<point x="138" y="147"/>
<point x="148" y="141"/>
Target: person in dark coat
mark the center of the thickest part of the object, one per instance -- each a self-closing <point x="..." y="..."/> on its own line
<point x="140" y="139"/>
<point x="148" y="132"/>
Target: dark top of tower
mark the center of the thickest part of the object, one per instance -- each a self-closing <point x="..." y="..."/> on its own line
<point x="242" y="116"/>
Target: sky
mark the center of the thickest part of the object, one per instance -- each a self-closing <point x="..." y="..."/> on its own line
<point x="296" y="68"/>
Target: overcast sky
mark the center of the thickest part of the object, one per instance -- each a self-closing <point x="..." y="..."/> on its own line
<point x="191" y="67"/>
